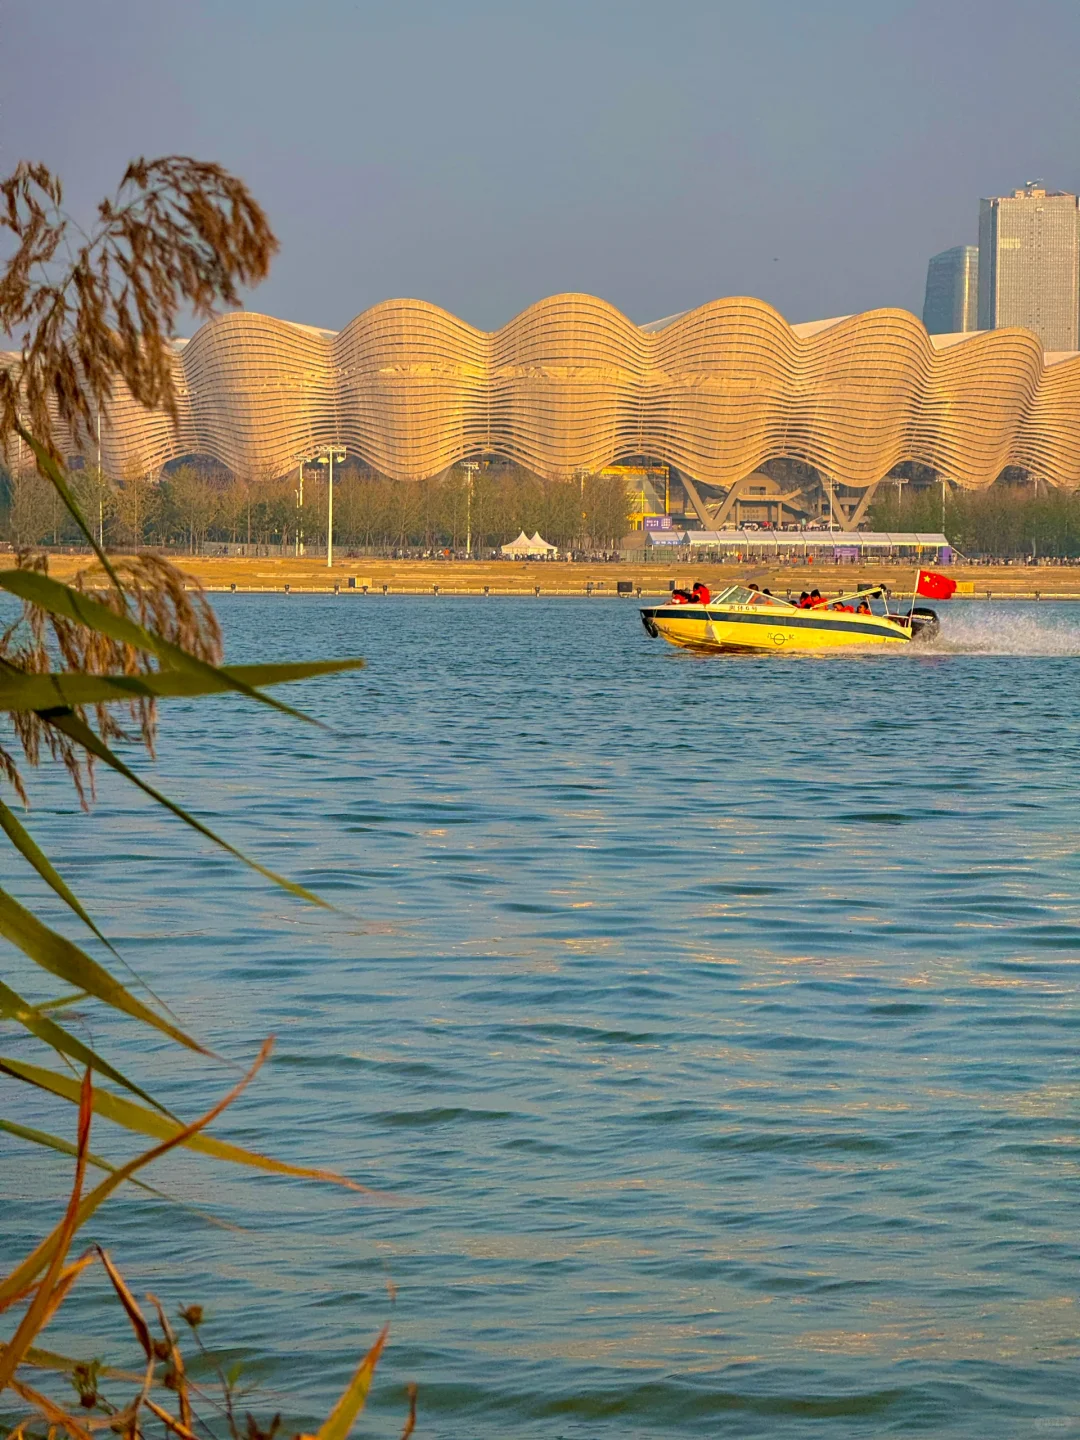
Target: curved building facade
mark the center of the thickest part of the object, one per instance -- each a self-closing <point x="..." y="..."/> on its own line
<point x="572" y="384"/>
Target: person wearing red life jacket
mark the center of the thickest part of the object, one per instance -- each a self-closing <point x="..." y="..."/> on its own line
<point x="701" y="594"/>
<point x="817" y="599"/>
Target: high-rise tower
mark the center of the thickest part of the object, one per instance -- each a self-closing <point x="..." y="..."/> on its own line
<point x="952" y="291"/>
<point x="1029" y="264"/>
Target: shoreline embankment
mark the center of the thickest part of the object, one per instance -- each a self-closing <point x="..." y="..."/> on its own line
<point x="310" y="575"/>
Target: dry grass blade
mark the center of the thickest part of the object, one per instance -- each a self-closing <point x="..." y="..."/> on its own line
<point x="34" y="1317"/>
<point x="410" y="1423"/>
<point x="177" y="1427"/>
<point x="65" y="1365"/>
<point x="54" y="1413"/>
<point x="127" y="1300"/>
<point x="340" y="1420"/>
<point x="176" y="1359"/>
<point x="45" y="1254"/>
<point x="66" y="1280"/>
<point x="148" y="1122"/>
<point x="62" y="1287"/>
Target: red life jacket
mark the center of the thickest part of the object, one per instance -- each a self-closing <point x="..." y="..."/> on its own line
<point x="702" y="594"/>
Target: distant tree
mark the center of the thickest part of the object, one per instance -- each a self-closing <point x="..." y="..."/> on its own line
<point x="606" y="506"/>
<point x="36" y="514"/>
<point x="136" y="511"/>
<point x="190" y="504"/>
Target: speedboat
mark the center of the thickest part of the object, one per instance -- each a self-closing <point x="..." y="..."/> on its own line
<point x="741" y="619"/>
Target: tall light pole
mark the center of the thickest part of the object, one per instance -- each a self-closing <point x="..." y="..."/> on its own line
<point x="329" y="455"/>
<point x="100" y="486"/>
<point x="298" y="461"/>
<point x="470" y="467"/>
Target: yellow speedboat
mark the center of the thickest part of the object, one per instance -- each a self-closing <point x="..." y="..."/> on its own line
<point x="741" y="619"/>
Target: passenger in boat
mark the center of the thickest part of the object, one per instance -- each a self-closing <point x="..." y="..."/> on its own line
<point x="701" y="594"/>
<point x="864" y="608"/>
<point x="681" y="597"/>
<point x="804" y="600"/>
<point x="817" y="599"/>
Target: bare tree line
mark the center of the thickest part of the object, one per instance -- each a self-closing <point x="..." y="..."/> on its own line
<point x="190" y="505"/>
<point x="1014" y="517"/>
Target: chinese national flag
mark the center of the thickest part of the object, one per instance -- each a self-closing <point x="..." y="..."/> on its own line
<point x="934" y="586"/>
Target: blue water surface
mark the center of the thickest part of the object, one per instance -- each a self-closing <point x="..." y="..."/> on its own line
<point x="707" y="1026"/>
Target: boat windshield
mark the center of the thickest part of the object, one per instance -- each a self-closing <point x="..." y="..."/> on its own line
<point x="740" y="595"/>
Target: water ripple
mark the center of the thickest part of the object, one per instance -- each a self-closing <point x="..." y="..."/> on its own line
<point x="708" y="1030"/>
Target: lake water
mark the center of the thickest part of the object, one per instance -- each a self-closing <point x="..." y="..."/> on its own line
<point x="711" y="1024"/>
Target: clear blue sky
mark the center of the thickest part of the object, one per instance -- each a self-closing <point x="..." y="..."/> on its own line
<point x="482" y="154"/>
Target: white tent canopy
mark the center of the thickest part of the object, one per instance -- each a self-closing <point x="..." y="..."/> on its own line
<point x="524" y="546"/>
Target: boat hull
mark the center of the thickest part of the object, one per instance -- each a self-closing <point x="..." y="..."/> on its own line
<point x="706" y="627"/>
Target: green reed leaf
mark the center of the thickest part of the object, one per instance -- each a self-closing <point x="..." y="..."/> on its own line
<point x="64" y="959"/>
<point x="57" y="599"/>
<point x="25" y="843"/>
<point x="62" y="1001"/>
<point x="130" y="1116"/>
<point x="65" y="1147"/>
<point x="28" y="847"/>
<point x="47" y="1255"/>
<point x="43" y="692"/>
<point x="341" y="1419"/>
<point x="56" y="477"/>
<point x="14" y="1007"/>
<point x="79" y="731"/>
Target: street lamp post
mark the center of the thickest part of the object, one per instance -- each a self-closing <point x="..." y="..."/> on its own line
<point x="470" y="467"/>
<point x="327" y="458"/>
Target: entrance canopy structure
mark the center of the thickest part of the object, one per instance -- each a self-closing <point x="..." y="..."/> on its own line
<point x="764" y="543"/>
<point x="572" y="385"/>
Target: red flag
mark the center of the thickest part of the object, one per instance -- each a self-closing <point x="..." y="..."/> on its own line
<point x="934" y="586"/>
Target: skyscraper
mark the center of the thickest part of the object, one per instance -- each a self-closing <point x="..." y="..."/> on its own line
<point x="952" y="291"/>
<point x="1029" y="264"/>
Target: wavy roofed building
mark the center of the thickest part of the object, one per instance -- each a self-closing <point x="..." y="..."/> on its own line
<point x="572" y="384"/>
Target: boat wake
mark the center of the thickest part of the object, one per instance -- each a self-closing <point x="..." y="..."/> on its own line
<point x="1003" y="629"/>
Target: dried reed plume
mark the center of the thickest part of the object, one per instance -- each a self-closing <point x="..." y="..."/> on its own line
<point x="89" y="309"/>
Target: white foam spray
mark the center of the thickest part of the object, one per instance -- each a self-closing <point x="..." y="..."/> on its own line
<point x="1007" y="628"/>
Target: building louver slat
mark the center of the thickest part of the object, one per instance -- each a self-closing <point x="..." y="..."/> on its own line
<point x="571" y="383"/>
